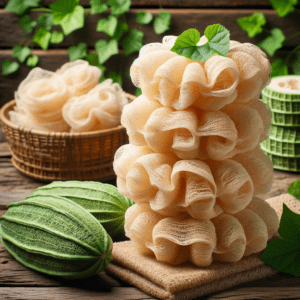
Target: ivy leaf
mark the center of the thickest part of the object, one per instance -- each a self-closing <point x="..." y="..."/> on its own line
<point x="162" y="22"/>
<point x="273" y="42"/>
<point x="42" y="37"/>
<point x="115" y="77"/>
<point x="296" y="65"/>
<point x="122" y="27"/>
<point x="46" y="21"/>
<point x="32" y="61"/>
<point x="119" y="7"/>
<point x="19" y="7"/>
<point x="108" y="25"/>
<point x="27" y="23"/>
<point x="283" y="254"/>
<point x="252" y="24"/>
<point x="218" y="43"/>
<point x="9" y="67"/>
<point x="138" y="92"/>
<point x="21" y="53"/>
<point x="93" y="60"/>
<point x="106" y="49"/>
<point x="279" y="68"/>
<point x="283" y="7"/>
<point x="143" y="18"/>
<point x="77" y="52"/>
<point x="294" y="189"/>
<point x="67" y="14"/>
<point x="56" y="37"/>
<point x="133" y="42"/>
<point x="98" y="7"/>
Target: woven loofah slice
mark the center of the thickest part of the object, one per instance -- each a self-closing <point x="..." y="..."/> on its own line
<point x="179" y="239"/>
<point x="201" y="189"/>
<point x="100" y="108"/>
<point x="196" y="133"/>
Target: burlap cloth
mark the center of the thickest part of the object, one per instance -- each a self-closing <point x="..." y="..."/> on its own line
<point x="187" y="281"/>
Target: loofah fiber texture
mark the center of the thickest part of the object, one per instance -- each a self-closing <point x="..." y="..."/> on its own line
<point x="203" y="189"/>
<point x="187" y="281"/>
<point x="195" y="133"/>
<point x="178" y="82"/>
<point x="100" y="108"/>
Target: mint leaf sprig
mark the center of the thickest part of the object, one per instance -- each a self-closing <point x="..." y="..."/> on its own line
<point x="283" y="253"/>
<point x="218" y="42"/>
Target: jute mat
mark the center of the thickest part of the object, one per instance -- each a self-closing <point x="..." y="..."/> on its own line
<point x="187" y="281"/>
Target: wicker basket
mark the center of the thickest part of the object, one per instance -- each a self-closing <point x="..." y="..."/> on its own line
<point x="50" y="156"/>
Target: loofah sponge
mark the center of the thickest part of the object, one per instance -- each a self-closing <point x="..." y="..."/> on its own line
<point x="195" y="133"/>
<point x="225" y="238"/>
<point x="79" y="76"/>
<point x="100" y="108"/>
<point x="179" y="82"/>
<point x="202" y="189"/>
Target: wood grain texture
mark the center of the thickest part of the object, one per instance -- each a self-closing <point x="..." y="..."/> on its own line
<point x="176" y="3"/>
<point x="182" y="19"/>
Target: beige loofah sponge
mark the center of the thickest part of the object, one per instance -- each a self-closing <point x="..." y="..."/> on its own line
<point x="203" y="189"/>
<point x="179" y="239"/>
<point x="195" y="133"/>
<point x="179" y="82"/>
<point x="100" y="108"/>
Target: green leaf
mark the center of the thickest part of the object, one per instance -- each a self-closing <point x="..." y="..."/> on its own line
<point x="296" y="65"/>
<point x="252" y="24"/>
<point x="77" y="52"/>
<point x="9" y="67"/>
<point x="106" y="49"/>
<point x="273" y="42"/>
<point x="32" y="61"/>
<point x="67" y="14"/>
<point x="283" y="254"/>
<point x="92" y="59"/>
<point x="27" y="23"/>
<point x="294" y="189"/>
<point x="115" y="77"/>
<point x="122" y="27"/>
<point x="138" y="92"/>
<point x="98" y="7"/>
<point x="42" y="37"/>
<point x="56" y="37"/>
<point x="21" y="53"/>
<point x="279" y="68"/>
<point x="19" y="7"/>
<point x="119" y="7"/>
<point x="46" y="21"/>
<point x="143" y="18"/>
<point x="108" y="25"/>
<point x="218" y="43"/>
<point x="162" y="22"/>
<point x="283" y="7"/>
<point x="133" y="42"/>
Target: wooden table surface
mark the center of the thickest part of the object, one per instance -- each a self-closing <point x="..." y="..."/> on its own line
<point x="19" y="282"/>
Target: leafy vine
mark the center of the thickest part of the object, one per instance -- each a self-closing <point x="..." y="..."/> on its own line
<point x="68" y="16"/>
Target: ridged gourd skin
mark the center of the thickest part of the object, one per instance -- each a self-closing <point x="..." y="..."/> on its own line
<point x="55" y="236"/>
<point x="102" y="200"/>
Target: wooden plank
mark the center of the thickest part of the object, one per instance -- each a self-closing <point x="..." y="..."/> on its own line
<point x="2" y="212"/>
<point x="74" y="293"/>
<point x="176" y="3"/>
<point x="4" y="149"/>
<point x="182" y="19"/>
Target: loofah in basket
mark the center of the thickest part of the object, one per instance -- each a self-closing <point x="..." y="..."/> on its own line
<point x="50" y="156"/>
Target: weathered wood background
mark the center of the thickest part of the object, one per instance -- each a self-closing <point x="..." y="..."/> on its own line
<point x="185" y="14"/>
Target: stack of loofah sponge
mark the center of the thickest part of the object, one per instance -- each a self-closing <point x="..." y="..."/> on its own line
<point x="194" y="166"/>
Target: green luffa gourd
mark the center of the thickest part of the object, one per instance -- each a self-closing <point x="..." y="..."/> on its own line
<point x="55" y="236"/>
<point x="102" y="200"/>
